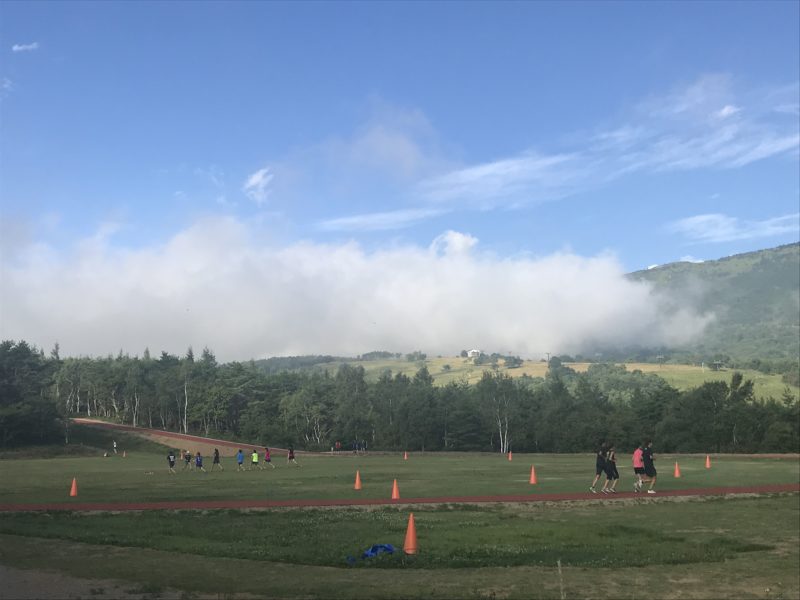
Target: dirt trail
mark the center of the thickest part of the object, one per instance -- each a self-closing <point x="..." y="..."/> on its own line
<point x="181" y="441"/>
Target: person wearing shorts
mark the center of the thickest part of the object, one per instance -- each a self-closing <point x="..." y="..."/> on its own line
<point x="612" y="475"/>
<point x="268" y="458"/>
<point x="254" y="460"/>
<point x="171" y="461"/>
<point x="649" y="466"/>
<point x="187" y="461"/>
<point x="216" y="462"/>
<point x="638" y="468"/>
<point x="198" y="462"/>
<point x="290" y="457"/>
<point x="599" y="466"/>
<point x="240" y="460"/>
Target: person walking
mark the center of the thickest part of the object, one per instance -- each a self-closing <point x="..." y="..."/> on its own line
<point x="599" y="466"/>
<point x="187" y="461"/>
<point x="240" y="460"/>
<point x="215" y="462"/>
<point x="290" y="457"/>
<point x="171" y="461"/>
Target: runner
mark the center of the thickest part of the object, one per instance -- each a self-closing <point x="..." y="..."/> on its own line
<point x="216" y="462"/>
<point x="599" y="466"/>
<point x="649" y="467"/>
<point x="187" y="461"/>
<point x="268" y="458"/>
<point x="171" y="461"/>
<point x="290" y="457"/>
<point x="240" y="460"/>
<point x="612" y="475"/>
<point x="254" y="459"/>
<point x="198" y="462"/>
<point x="115" y="446"/>
<point x="638" y="468"/>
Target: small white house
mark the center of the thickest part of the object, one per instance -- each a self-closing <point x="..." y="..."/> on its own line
<point x="474" y="353"/>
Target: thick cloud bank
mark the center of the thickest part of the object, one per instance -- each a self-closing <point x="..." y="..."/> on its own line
<point x="216" y="285"/>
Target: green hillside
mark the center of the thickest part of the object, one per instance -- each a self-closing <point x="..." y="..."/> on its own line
<point x="754" y="296"/>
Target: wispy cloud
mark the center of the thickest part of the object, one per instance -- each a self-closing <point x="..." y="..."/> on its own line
<point x="706" y="125"/>
<point x="381" y="221"/>
<point x="257" y="185"/>
<point x="722" y="228"/>
<point x="25" y="47"/>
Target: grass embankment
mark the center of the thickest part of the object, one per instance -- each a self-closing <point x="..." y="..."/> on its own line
<point x="698" y="549"/>
<point x="682" y="377"/>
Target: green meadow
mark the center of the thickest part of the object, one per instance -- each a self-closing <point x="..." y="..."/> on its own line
<point x="455" y="369"/>
<point x="645" y="547"/>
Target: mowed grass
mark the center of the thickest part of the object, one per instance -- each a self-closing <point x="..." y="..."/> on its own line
<point x="642" y="547"/>
<point x="682" y="377"/>
<point x="143" y="476"/>
<point x="452" y="536"/>
<point x="720" y="548"/>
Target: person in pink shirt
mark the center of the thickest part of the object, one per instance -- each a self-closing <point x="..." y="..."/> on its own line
<point x="638" y="468"/>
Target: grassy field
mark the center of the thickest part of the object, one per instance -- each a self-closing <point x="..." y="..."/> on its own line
<point x="680" y="376"/>
<point x="645" y="548"/>
<point x="143" y="476"/>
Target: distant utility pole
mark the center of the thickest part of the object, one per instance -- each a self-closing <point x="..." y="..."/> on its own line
<point x="548" y="359"/>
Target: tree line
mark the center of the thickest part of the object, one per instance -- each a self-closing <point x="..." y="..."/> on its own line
<point x="564" y="411"/>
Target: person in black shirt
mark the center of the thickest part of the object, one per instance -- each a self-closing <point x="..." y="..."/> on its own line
<point x="216" y="462"/>
<point x="612" y="475"/>
<point x="171" y="461"/>
<point x="649" y="467"/>
<point x="599" y="466"/>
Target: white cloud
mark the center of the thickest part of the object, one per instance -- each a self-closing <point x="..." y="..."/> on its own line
<point x="722" y="228"/>
<point x="691" y="259"/>
<point x="669" y="133"/>
<point x="25" y="47"/>
<point x="727" y="111"/>
<point x="257" y="185"/>
<point x="219" y="284"/>
<point x="396" y="219"/>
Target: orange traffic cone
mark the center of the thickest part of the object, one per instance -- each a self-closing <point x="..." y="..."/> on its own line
<point x="410" y="543"/>
<point x="533" y="475"/>
<point x="395" y="491"/>
<point x="74" y="491"/>
<point x="405" y="455"/>
<point x="510" y="456"/>
<point x="708" y="461"/>
<point x="358" y="481"/>
<point x="677" y="470"/>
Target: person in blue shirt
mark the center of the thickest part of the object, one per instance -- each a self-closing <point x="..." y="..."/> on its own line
<point x="240" y="460"/>
<point x="198" y="462"/>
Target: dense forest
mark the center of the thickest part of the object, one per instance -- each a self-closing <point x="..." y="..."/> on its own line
<point x="562" y="412"/>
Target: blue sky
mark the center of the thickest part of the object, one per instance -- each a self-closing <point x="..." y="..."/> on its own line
<point x="648" y="132"/>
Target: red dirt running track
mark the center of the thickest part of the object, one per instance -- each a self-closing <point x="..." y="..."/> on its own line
<point x="244" y="504"/>
<point x="239" y="504"/>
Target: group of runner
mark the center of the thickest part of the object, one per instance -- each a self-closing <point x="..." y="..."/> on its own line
<point x="644" y="468"/>
<point x="195" y="462"/>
